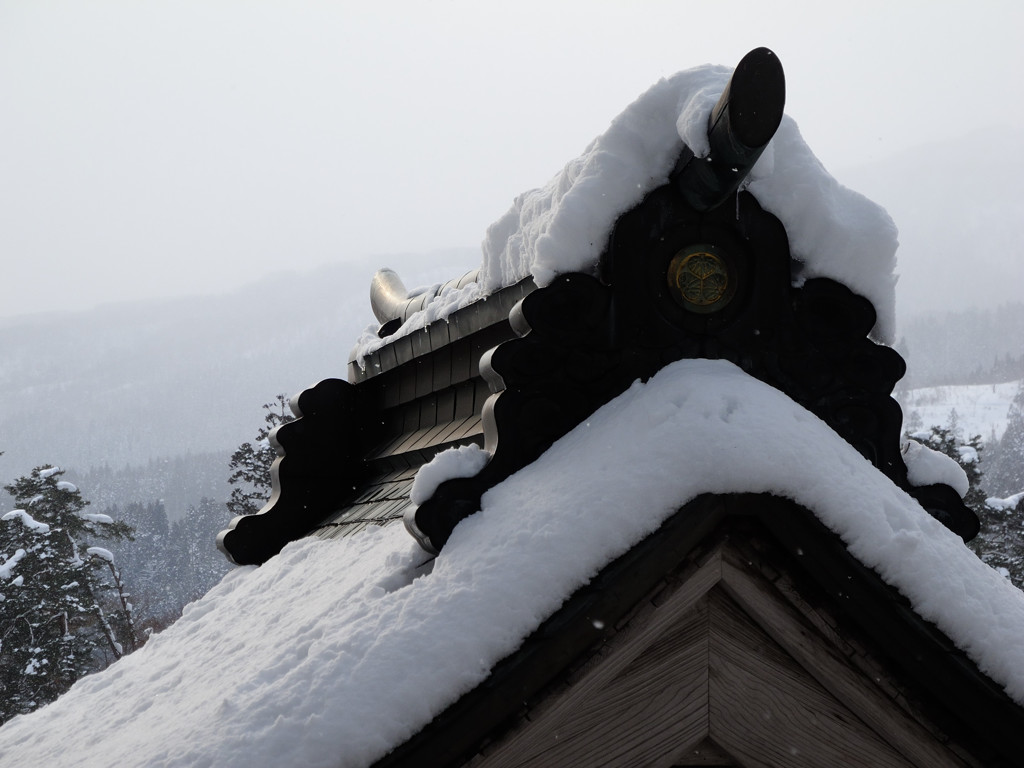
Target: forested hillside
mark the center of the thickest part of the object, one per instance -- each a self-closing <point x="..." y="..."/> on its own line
<point x="125" y="384"/>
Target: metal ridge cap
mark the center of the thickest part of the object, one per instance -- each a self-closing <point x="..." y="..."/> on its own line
<point x="462" y="322"/>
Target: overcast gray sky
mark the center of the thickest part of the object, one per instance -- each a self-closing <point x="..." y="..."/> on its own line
<point x="163" y="148"/>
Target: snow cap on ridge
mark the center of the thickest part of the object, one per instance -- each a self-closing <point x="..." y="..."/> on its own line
<point x="564" y="226"/>
<point x="926" y="466"/>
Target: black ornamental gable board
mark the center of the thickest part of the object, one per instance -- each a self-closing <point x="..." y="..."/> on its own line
<point x="698" y="269"/>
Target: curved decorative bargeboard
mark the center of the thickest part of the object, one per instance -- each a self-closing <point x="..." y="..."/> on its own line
<point x="697" y="269"/>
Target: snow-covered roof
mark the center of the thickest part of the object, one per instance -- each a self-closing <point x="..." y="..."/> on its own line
<point x="564" y="226"/>
<point x="335" y="651"/>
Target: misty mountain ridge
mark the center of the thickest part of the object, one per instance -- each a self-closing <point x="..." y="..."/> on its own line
<point x="131" y="382"/>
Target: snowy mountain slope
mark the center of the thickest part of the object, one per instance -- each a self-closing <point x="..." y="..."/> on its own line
<point x="981" y="409"/>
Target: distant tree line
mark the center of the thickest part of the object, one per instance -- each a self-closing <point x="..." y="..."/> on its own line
<point x="177" y="481"/>
<point x="169" y="564"/>
<point x="973" y="346"/>
<point x="1005" y="368"/>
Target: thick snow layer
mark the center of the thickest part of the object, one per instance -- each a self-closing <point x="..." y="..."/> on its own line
<point x="926" y="467"/>
<point x="564" y="226"/>
<point x="1010" y="502"/>
<point x="97" y="518"/>
<point x="464" y="461"/>
<point x="981" y="409"/>
<point x="7" y="567"/>
<point x="27" y="520"/>
<point x="100" y="552"/>
<point x="334" y="651"/>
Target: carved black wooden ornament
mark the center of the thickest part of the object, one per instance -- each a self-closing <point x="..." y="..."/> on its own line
<point x="699" y="279"/>
<point x="696" y="270"/>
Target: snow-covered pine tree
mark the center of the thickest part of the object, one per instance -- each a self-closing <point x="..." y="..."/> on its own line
<point x="64" y="611"/>
<point x="1003" y="522"/>
<point x="966" y="452"/>
<point x="251" y="462"/>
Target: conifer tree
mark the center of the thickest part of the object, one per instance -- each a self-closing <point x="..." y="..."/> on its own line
<point x="64" y="611"/>
<point x="1007" y="475"/>
<point x="251" y="462"/>
<point x="966" y="452"/>
<point x="1003" y="521"/>
<point x="1000" y="542"/>
<point x="193" y="557"/>
<point x="145" y="562"/>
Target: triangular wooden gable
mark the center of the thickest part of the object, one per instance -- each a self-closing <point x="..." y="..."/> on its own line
<point x="724" y="670"/>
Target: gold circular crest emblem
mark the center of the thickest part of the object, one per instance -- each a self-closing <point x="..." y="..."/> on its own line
<point x="699" y="279"/>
